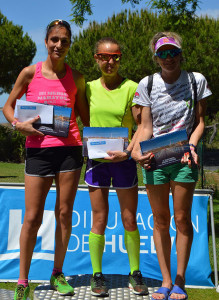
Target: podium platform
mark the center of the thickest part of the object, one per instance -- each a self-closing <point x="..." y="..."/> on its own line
<point x="6" y="294"/>
<point x="118" y="289"/>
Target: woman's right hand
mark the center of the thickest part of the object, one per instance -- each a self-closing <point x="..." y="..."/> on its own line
<point x="143" y="160"/>
<point x="26" y="128"/>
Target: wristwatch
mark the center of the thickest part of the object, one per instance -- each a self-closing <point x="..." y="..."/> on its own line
<point x="13" y="124"/>
<point x="127" y="152"/>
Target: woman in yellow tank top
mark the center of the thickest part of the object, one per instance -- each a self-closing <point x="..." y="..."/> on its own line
<point x="110" y="101"/>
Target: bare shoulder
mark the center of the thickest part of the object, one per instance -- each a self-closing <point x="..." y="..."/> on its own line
<point x="27" y="73"/>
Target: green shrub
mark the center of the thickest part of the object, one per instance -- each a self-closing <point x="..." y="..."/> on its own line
<point x="12" y="145"/>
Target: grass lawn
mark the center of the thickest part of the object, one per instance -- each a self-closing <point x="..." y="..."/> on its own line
<point x="10" y="172"/>
<point x="14" y="173"/>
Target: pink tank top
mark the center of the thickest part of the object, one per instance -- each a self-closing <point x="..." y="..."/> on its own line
<point x="60" y="92"/>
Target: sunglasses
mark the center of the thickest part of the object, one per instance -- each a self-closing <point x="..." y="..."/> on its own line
<point x="107" y="56"/>
<point x="59" y="22"/>
<point x="171" y="52"/>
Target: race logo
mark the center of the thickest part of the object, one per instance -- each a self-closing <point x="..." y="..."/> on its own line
<point x="137" y="95"/>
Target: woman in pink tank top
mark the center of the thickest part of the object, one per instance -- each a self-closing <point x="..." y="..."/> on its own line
<point x="49" y="157"/>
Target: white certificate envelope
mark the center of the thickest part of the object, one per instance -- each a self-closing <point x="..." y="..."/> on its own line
<point x="97" y="148"/>
<point x="26" y="110"/>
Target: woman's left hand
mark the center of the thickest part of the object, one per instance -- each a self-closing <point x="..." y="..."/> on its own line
<point x="116" y="156"/>
<point x="187" y="159"/>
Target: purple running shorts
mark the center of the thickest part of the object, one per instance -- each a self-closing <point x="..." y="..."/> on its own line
<point x="121" y="175"/>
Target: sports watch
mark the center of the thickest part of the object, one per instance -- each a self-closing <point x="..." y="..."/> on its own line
<point x="127" y="152"/>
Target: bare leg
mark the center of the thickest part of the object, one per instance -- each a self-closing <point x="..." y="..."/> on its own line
<point x="159" y="200"/>
<point x="36" y="190"/>
<point x="66" y="187"/>
<point x="100" y="208"/>
<point x="128" y="199"/>
<point x="182" y="199"/>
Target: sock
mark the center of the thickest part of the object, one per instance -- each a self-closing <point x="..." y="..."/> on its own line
<point x="24" y="282"/>
<point x="56" y="271"/>
<point x="132" y="244"/>
<point x="96" y="245"/>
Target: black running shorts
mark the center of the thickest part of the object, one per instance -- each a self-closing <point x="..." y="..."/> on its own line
<point x="48" y="161"/>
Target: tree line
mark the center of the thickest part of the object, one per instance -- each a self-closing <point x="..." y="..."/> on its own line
<point x="17" y="51"/>
<point x="134" y="31"/>
<point x="179" y="11"/>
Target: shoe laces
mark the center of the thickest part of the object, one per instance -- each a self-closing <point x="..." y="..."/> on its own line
<point x="99" y="279"/>
<point x="61" y="279"/>
<point x="20" y="290"/>
<point x="138" y="277"/>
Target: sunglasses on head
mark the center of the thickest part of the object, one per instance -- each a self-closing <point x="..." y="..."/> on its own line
<point x="106" y="56"/>
<point x="171" y="52"/>
<point x="59" y="22"/>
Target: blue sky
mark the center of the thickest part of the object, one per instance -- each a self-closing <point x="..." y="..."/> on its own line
<point x="34" y="16"/>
